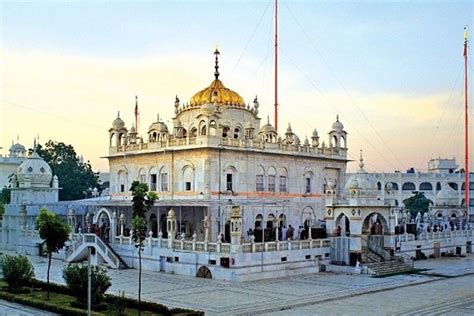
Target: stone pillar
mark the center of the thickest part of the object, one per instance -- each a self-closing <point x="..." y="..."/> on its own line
<point x="205" y="223"/>
<point x="171" y="227"/>
<point x="235" y="228"/>
<point x="71" y="219"/>
<point x="23" y="217"/>
<point x="113" y="227"/>
<point x="122" y="223"/>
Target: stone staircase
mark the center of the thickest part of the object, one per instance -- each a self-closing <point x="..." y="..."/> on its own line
<point x="78" y="251"/>
<point x="380" y="262"/>
<point x="378" y="266"/>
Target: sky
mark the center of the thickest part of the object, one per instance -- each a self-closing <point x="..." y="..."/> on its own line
<point x="391" y="70"/>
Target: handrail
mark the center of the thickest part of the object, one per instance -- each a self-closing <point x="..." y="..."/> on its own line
<point x="385" y="254"/>
<point x="94" y="239"/>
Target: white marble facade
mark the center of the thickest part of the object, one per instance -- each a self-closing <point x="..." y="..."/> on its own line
<point x="217" y="149"/>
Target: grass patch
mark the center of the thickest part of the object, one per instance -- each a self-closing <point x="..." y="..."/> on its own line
<point x="60" y="302"/>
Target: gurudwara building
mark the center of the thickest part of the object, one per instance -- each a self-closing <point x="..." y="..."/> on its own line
<point x="237" y="200"/>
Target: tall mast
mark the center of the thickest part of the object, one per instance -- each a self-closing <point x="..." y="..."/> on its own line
<point x="136" y="113"/>
<point x="466" y="128"/>
<point x="276" y="65"/>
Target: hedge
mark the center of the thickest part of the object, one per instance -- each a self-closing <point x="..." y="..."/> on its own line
<point x="113" y="299"/>
<point x="43" y="305"/>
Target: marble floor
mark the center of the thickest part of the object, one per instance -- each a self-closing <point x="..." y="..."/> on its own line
<point x="308" y="294"/>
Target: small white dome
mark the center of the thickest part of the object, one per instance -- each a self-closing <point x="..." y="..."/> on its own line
<point x="447" y="196"/>
<point x="118" y="123"/>
<point x="337" y="126"/>
<point x="17" y="148"/>
<point x="35" y="170"/>
<point x="159" y="127"/>
<point x="171" y="213"/>
<point x="267" y="128"/>
<point x="315" y="133"/>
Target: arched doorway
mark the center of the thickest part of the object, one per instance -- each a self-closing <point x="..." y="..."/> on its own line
<point x="163" y="229"/>
<point x="343" y="226"/>
<point x="204" y="272"/>
<point x="154" y="225"/>
<point x="375" y="224"/>
<point x="101" y="224"/>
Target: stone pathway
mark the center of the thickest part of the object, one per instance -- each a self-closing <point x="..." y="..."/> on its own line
<point x="223" y="297"/>
<point x="454" y="296"/>
<point x="8" y="308"/>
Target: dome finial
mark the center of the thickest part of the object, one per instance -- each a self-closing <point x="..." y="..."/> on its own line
<point x="268" y="119"/>
<point x="157" y="117"/>
<point x="361" y="161"/>
<point x="337" y="117"/>
<point x="216" y="67"/>
<point x="118" y="114"/>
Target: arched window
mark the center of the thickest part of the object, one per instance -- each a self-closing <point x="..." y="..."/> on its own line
<point x="122" y="180"/>
<point x="230" y="178"/>
<point x="164" y="179"/>
<point x="112" y="137"/>
<point x="237" y="133"/>
<point x="121" y="139"/>
<point x="258" y="221"/>
<point x="142" y="175"/>
<point x="308" y="182"/>
<point x="225" y="131"/>
<point x="193" y="132"/>
<point x="259" y="185"/>
<point x="188" y="178"/>
<point x="408" y="186"/>
<point x="283" y="185"/>
<point x="203" y="128"/>
<point x="379" y="186"/>
<point x="270" y="221"/>
<point x="271" y="179"/>
<point x="426" y="186"/>
<point x="153" y="178"/>
<point x="438" y="186"/>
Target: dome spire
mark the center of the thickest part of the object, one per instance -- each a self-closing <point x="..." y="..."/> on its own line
<point x="361" y="162"/>
<point x="216" y="67"/>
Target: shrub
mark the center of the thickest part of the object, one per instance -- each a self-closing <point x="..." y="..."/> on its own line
<point x="75" y="276"/>
<point x="17" y="271"/>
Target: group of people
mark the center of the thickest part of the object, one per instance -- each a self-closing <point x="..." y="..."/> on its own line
<point x="102" y="231"/>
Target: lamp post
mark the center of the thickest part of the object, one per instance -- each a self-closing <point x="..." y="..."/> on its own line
<point x="89" y="281"/>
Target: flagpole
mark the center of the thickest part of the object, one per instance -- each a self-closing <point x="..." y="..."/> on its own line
<point x="136" y="113"/>
<point x="466" y="128"/>
<point x="276" y="65"/>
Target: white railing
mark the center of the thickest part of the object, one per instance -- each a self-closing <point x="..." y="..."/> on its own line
<point x="220" y="247"/>
<point x="92" y="239"/>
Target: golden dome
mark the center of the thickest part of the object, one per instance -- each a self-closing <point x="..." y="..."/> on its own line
<point x="217" y="93"/>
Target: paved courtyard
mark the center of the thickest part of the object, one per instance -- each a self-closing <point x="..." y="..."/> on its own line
<point x="9" y="308"/>
<point x="309" y="294"/>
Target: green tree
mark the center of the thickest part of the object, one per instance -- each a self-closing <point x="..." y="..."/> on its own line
<point x="55" y="233"/>
<point x="75" y="178"/>
<point x="75" y="276"/>
<point x="142" y="198"/>
<point x="5" y="196"/>
<point x="142" y="201"/>
<point x="17" y="271"/>
<point x="417" y="203"/>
